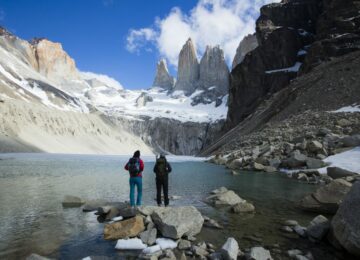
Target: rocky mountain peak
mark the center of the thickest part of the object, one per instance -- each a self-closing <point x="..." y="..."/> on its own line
<point x="188" y="68"/>
<point x="4" y="32"/>
<point x="247" y="44"/>
<point x="54" y="62"/>
<point x="162" y="78"/>
<point x="213" y="70"/>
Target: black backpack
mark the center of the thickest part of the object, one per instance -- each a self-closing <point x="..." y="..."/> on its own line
<point x="134" y="166"/>
<point x="161" y="166"/>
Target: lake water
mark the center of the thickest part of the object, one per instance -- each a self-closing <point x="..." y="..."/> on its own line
<point x="32" y="187"/>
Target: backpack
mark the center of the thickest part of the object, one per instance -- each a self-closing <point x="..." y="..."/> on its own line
<point x="161" y="166"/>
<point x="134" y="166"/>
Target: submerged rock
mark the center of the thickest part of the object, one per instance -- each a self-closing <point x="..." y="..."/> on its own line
<point x="227" y="197"/>
<point x="345" y="226"/>
<point x="326" y="199"/>
<point x="259" y="253"/>
<point x="336" y="172"/>
<point x="177" y="222"/>
<point x="243" y="207"/>
<point x="127" y="228"/>
<point x="318" y="228"/>
<point x="72" y="202"/>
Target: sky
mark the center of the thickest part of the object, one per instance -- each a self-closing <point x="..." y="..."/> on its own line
<point x="124" y="39"/>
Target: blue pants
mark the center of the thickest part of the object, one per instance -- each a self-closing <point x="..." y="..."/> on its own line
<point x="135" y="181"/>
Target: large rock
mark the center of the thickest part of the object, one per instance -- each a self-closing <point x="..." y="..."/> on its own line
<point x="318" y="227"/>
<point x="314" y="146"/>
<point x="246" y="45"/>
<point x="127" y="228"/>
<point x="72" y="202"/>
<point x="93" y="205"/>
<point x="163" y="79"/>
<point x="243" y="207"/>
<point x="228" y="198"/>
<point x="213" y="70"/>
<point x="336" y="172"/>
<point x="259" y="253"/>
<point x="295" y="160"/>
<point x="345" y="225"/>
<point x="188" y="69"/>
<point x="230" y="249"/>
<point x="326" y="199"/>
<point x="350" y="141"/>
<point x="178" y="221"/>
<point x="149" y="236"/>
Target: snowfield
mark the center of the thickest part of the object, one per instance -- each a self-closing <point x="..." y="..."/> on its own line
<point x="349" y="160"/>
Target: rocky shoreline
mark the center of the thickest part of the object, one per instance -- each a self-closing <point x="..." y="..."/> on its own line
<point x="151" y="232"/>
<point x="297" y="145"/>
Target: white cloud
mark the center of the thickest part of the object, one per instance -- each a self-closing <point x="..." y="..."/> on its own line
<point x="137" y="39"/>
<point x="210" y="22"/>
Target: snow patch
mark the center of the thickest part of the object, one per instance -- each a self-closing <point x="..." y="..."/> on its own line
<point x="348" y="109"/>
<point x="166" y="243"/>
<point x="294" y="68"/>
<point x="151" y="249"/>
<point x="130" y="244"/>
<point x="349" y="160"/>
<point x="108" y="81"/>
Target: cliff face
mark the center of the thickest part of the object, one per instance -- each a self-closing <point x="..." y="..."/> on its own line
<point x="284" y="31"/>
<point x="168" y="135"/>
<point x="188" y="69"/>
<point x="162" y="78"/>
<point x="213" y="70"/>
<point x="53" y="62"/>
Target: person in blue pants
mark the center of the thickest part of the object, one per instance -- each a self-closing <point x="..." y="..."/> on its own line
<point x="135" y="166"/>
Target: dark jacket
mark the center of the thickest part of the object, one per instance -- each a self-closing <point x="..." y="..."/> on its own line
<point x="158" y="166"/>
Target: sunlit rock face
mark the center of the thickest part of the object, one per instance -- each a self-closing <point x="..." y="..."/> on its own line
<point x="53" y="61"/>
<point x="162" y="78"/>
<point x="188" y="69"/>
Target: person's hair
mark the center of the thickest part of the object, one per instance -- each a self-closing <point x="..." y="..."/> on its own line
<point x="137" y="154"/>
<point x="162" y="156"/>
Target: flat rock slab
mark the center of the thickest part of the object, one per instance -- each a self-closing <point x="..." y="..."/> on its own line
<point x="123" y="229"/>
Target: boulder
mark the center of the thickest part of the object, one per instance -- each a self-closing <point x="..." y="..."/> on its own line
<point x="269" y="169"/>
<point x="350" y="141"/>
<point x="301" y="231"/>
<point x="243" y="207"/>
<point x="225" y="198"/>
<point x="318" y="228"/>
<point x="326" y="199"/>
<point x="72" y="202"/>
<point x="291" y="223"/>
<point x="258" y="166"/>
<point x="177" y="222"/>
<point x="295" y="160"/>
<point x="113" y="212"/>
<point x="235" y="164"/>
<point x="184" y="244"/>
<point x="149" y="236"/>
<point x="345" y="226"/>
<point x="127" y="228"/>
<point x="312" y="163"/>
<point x="230" y="249"/>
<point x="314" y="146"/>
<point x="211" y="223"/>
<point x="336" y="172"/>
<point x="259" y="253"/>
<point x="294" y="252"/>
<point x="168" y="255"/>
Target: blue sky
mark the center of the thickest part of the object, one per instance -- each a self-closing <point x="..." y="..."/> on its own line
<point x="124" y="39"/>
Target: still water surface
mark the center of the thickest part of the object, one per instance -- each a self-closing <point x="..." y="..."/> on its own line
<point x="32" y="187"/>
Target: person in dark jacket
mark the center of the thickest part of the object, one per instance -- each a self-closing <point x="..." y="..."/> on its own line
<point x="162" y="169"/>
<point x="135" y="166"/>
